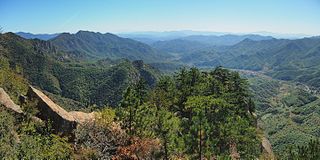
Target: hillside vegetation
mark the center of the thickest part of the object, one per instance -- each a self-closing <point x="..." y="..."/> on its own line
<point x="100" y="82"/>
<point x="144" y="114"/>
<point x="98" y="45"/>
<point x="293" y="60"/>
<point x="287" y="112"/>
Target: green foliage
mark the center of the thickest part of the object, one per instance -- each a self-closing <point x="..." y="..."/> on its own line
<point x="167" y="67"/>
<point x="194" y="114"/>
<point x="97" y="45"/>
<point x="178" y="46"/>
<point x="288" y="112"/>
<point x="311" y="151"/>
<point x="100" y="83"/>
<point x="8" y="141"/>
<point x="133" y="98"/>
<point x="11" y="79"/>
<point x="23" y="139"/>
<point x="105" y="117"/>
<point x="44" y="147"/>
<point x="293" y="60"/>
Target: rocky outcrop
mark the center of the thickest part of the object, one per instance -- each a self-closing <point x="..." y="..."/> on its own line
<point x="81" y="117"/>
<point x="267" y="149"/>
<point x="6" y="101"/>
<point x="62" y="121"/>
<point x="234" y="154"/>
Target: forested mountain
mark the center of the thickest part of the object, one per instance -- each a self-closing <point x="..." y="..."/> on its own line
<point x="283" y="59"/>
<point x="195" y="114"/>
<point x="100" y="82"/>
<point x="98" y="45"/>
<point x="155" y="123"/>
<point x="163" y="114"/>
<point x="285" y="85"/>
<point x="189" y="114"/>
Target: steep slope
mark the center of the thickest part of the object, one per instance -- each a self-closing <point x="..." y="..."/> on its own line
<point x="98" y="83"/>
<point x="107" y="45"/>
<point x="35" y="61"/>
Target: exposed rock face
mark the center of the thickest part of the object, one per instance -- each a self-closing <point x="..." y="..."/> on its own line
<point x="6" y="101"/>
<point x="267" y="149"/>
<point x="81" y="117"/>
<point x="234" y="154"/>
<point x="62" y="121"/>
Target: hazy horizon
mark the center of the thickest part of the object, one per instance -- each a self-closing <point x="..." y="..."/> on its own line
<point x="248" y="16"/>
<point x="205" y="32"/>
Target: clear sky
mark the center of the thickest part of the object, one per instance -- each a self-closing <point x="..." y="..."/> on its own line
<point x="52" y="16"/>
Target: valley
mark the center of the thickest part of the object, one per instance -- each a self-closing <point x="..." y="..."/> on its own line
<point x="286" y="111"/>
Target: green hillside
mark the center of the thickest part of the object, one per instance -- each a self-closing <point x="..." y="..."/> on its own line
<point x="100" y="82"/>
<point x="295" y="60"/>
<point x="98" y="45"/>
<point x="288" y="113"/>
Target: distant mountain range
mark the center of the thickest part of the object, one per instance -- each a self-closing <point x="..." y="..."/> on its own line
<point x="283" y="35"/>
<point x="153" y="36"/>
<point x="191" y="43"/>
<point x="37" y="36"/>
<point x="150" y="37"/>
<point x="284" y="59"/>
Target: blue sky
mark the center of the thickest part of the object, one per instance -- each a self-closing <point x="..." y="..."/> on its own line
<point x="52" y="16"/>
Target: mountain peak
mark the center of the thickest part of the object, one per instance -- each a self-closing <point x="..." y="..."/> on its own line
<point x="87" y="32"/>
<point x="12" y="35"/>
<point x="28" y="35"/>
<point x="96" y="44"/>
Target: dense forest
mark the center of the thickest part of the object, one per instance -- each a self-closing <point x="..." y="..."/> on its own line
<point x="192" y="114"/>
<point x="287" y="112"/>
